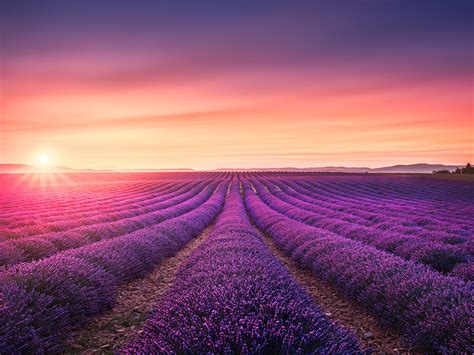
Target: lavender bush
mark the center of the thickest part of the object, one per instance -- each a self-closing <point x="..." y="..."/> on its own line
<point x="440" y="257"/>
<point x="234" y="296"/>
<point x="432" y="311"/>
<point x="43" y="300"/>
<point x="38" y="247"/>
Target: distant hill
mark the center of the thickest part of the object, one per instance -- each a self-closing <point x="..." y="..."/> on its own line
<point x="157" y="170"/>
<point x="14" y="168"/>
<point x="325" y="169"/>
<point x="24" y="168"/>
<point x="421" y="168"/>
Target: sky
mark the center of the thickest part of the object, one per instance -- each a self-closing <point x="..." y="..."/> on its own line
<point x="242" y="84"/>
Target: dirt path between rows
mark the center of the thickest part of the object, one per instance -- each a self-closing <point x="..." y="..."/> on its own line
<point x="112" y="330"/>
<point x="342" y="310"/>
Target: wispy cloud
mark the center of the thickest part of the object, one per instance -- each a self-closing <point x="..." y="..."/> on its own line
<point x="159" y="84"/>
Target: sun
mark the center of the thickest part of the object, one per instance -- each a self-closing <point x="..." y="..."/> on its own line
<point x="43" y="159"/>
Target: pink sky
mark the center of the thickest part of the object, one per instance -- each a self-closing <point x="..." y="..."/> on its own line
<point x="223" y="99"/>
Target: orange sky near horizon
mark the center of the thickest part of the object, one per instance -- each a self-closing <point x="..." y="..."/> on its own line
<point x="94" y="102"/>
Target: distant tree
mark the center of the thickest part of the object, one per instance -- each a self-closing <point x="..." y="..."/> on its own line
<point x="443" y="171"/>
<point x="468" y="169"/>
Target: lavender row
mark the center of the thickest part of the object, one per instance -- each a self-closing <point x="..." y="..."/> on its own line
<point x="403" y="187"/>
<point x="35" y="199"/>
<point x="440" y="257"/>
<point x="234" y="296"/>
<point x="37" y="247"/>
<point x="95" y="214"/>
<point x="449" y="232"/>
<point x="431" y="310"/>
<point x="413" y="219"/>
<point x="41" y="302"/>
<point x="426" y="227"/>
<point x="80" y="189"/>
<point x="161" y="202"/>
<point x="92" y="206"/>
<point x="446" y="209"/>
<point x="402" y="206"/>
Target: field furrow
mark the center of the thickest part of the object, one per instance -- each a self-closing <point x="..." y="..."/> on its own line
<point x="431" y="310"/>
<point x="135" y="302"/>
<point x="233" y="296"/>
<point x="32" y="248"/>
<point x="235" y="262"/>
<point x="63" y="292"/>
<point x="440" y="257"/>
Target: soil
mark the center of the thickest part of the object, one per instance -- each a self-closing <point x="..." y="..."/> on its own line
<point x="344" y="311"/>
<point x="112" y="330"/>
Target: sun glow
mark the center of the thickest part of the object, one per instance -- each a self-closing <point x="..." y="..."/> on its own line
<point x="42" y="172"/>
<point x="43" y="160"/>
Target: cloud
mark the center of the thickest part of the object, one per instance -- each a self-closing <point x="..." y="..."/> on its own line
<point x="236" y="81"/>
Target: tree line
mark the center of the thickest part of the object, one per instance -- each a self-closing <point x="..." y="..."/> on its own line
<point x="468" y="169"/>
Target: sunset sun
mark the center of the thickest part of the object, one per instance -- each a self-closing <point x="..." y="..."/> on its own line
<point x="43" y="160"/>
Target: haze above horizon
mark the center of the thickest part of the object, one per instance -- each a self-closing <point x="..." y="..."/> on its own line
<point x="204" y="85"/>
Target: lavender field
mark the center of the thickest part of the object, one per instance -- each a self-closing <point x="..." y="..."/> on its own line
<point x="81" y="252"/>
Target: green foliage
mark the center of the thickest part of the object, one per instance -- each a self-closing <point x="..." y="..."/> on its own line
<point x="468" y="169"/>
